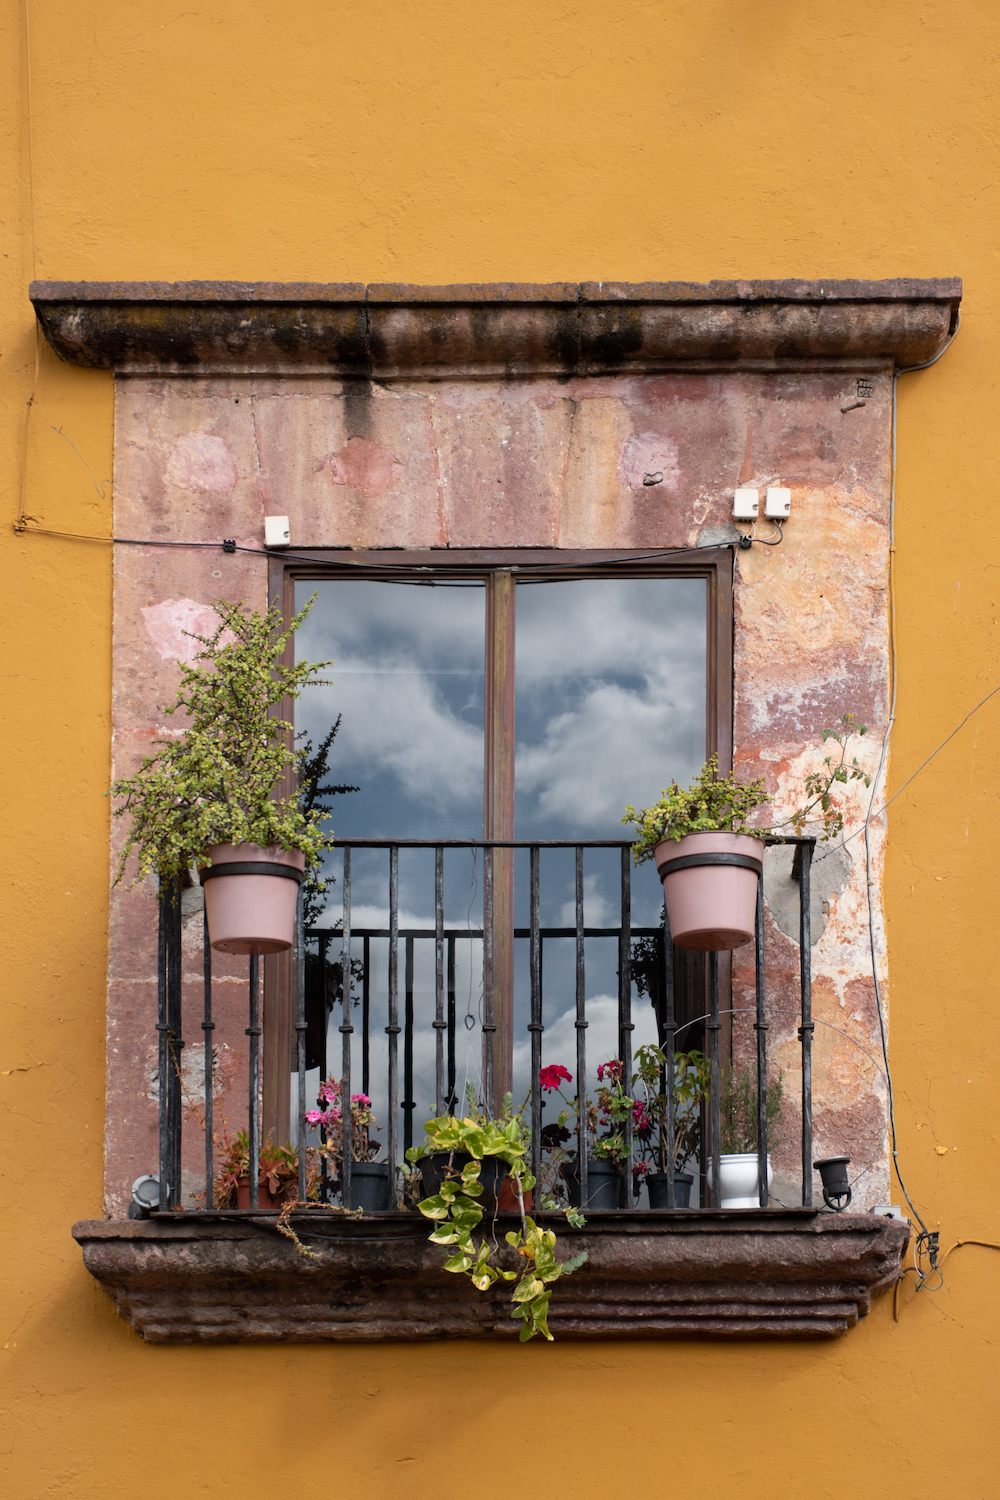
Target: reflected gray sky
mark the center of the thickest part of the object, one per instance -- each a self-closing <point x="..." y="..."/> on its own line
<point x="610" y="706"/>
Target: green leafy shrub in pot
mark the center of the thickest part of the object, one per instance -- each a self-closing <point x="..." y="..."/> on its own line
<point x="214" y="783"/>
<point x="738" y="1110"/>
<point x="720" y="804"/>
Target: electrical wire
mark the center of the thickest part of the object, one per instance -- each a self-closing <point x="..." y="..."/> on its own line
<point x="927" y="1241"/>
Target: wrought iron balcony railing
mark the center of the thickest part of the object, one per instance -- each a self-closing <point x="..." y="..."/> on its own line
<point x="494" y="950"/>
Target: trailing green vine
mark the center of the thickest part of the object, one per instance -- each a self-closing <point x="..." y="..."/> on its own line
<point x="457" y="1216"/>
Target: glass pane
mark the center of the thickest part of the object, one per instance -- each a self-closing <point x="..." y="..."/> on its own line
<point x="408" y="687"/>
<point x="611" y="678"/>
<point x="611" y="705"/>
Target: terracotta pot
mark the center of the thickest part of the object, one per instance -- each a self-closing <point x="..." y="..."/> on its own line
<point x="250" y="912"/>
<point x="507" y="1198"/>
<point x="738" y="1179"/>
<point x="711" y="907"/>
<point x="267" y="1202"/>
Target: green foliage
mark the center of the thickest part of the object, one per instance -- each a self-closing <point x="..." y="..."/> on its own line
<point x="738" y="1102"/>
<point x="819" y="784"/>
<point x="457" y="1215"/>
<point x="278" y="1169"/>
<point x="215" y="782"/>
<point x="711" y="804"/>
<point x="314" y="767"/>
<point x="691" y="1080"/>
<point x="720" y="804"/>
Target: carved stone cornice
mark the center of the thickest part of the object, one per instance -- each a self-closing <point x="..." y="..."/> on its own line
<point x="386" y="332"/>
<point x="742" y="1274"/>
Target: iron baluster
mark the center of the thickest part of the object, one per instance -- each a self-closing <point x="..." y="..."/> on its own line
<point x="440" y="1024"/>
<point x="669" y="1042"/>
<point x="393" y="1027"/>
<point x="207" y="1027"/>
<point x="452" y="1022"/>
<point x="805" y="852"/>
<point x="366" y="1016"/>
<point x="760" y="1026"/>
<point x="581" y="1027"/>
<point x="535" y="1024"/>
<point x="346" y="1141"/>
<point x="714" y="1098"/>
<point x="301" y="1026"/>
<point x="625" y="1012"/>
<point x="409" y="1103"/>
<point x="175" y="1044"/>
<point x="163" y="1051"/>
<point x="253" y="1032"/>
<point x="489" y="1026"/>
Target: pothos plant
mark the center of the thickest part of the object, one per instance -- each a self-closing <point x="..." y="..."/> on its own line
<point x="457" y="1216"/>
<point x="215" y="782"/>
<point x="720" y="804"/>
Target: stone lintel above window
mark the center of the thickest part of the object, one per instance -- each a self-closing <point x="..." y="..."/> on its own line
<point x="394" y="331"/>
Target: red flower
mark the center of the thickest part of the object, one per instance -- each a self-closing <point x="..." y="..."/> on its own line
<point x="613" y="1070"/>
<point x="550" y="1077"/>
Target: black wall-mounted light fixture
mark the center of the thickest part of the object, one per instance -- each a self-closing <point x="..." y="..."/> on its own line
<point x="836" y="1188"/>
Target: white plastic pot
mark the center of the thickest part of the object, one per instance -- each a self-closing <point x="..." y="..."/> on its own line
<point x="738" y="1179"/>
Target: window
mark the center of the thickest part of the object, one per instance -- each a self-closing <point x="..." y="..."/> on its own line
<point x="522" y="702"/>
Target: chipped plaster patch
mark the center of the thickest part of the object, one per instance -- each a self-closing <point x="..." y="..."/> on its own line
<point x="370" y="467"/>
<point x="172" y="624"/>
<point x="200" y="461"/>
<point x="646" y="454"/>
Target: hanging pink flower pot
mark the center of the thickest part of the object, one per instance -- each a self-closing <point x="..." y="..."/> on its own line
<point x="250" y="897"/>
<point x="710" y="888"/>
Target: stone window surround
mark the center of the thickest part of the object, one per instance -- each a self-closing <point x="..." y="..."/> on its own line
<point x="754" y="1274"/>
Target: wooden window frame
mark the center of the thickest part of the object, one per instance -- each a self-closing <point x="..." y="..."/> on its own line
<point x="499" y="568"/>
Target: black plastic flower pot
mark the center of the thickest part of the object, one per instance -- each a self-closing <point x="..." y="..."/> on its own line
<point x="440" y="1166"/>
<point x="604" y="1184"/>
<point x="370" y="1186"/>
<point x="656" y="1182"/>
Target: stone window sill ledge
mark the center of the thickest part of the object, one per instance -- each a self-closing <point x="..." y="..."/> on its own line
<point x="747" y="1274"/>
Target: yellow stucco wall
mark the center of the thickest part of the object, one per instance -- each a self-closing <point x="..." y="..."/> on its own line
<point x="442" y="142"/>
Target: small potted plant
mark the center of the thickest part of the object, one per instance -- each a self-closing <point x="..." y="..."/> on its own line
<point x="278" y="1179"/>
<point x="370" y="1186"/>
<point x="738" y="1165"/>
<point x="708" y="855"/>
<point x="207" y="798"/>
<point x="604" y="1121"/>
<point x="691" y="1079"/>
<point x="457" y="1214"/>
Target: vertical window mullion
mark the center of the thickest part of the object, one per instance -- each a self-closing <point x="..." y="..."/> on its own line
<point x="498" y="821"/>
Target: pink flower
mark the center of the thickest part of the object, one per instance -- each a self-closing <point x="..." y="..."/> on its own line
<point x="361" y="1099"/>
<point x="314" y="1116"/>
<point x="611" y="1070"/>
<point x="642" y="1117"/>
<point x="550" y="1077"/>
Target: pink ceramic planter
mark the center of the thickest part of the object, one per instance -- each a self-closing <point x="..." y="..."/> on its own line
<point x="710" y="907"/>
<point x="251" y="913"/>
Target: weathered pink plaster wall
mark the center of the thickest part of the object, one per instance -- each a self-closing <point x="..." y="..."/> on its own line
<point x="604" y="462"/>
